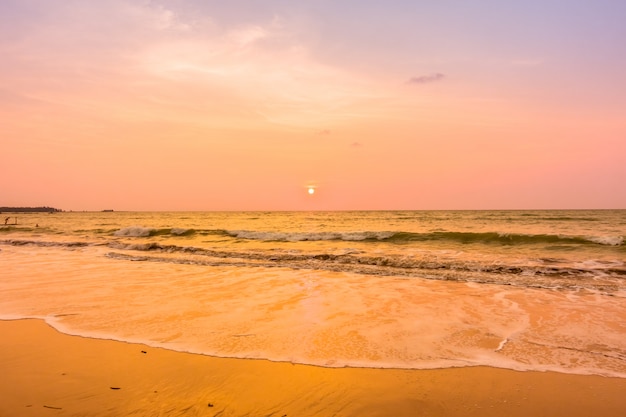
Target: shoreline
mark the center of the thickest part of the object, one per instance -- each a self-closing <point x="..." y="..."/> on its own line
<point x="48" y="372"/>
<point x="66" y="331"/>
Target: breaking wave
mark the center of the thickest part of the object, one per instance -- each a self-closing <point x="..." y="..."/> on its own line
<point x="314" y="236"/>
<point x="378" y="236"/>
<point x="457" y="237"/>
<point x="603" y="276"/>
<point x="138" y="231"/>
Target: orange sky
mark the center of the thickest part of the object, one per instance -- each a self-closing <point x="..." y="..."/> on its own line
<point x="199" y="105"/>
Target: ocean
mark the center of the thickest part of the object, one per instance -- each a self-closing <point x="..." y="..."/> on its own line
<point x="522" y="290"/>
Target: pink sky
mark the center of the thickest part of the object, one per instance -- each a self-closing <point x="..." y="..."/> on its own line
<point x="201" y="105"/>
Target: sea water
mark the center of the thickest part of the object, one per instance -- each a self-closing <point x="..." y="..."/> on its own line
<point x="524" y="290"/>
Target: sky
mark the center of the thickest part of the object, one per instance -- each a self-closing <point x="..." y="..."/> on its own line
<point x="375" y="105"/>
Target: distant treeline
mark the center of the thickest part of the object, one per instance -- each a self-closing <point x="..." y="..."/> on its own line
<point x="29" y="210"/>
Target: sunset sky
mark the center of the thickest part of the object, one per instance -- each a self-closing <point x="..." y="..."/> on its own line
<point x="242" y="105"/>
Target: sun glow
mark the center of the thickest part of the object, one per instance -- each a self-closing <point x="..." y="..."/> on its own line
<point x="311" y="190"/>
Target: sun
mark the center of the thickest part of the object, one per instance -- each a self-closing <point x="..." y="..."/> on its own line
<point x="311" y="190"/>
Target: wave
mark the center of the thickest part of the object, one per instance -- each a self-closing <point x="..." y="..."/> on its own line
<point x="391" y="237"/>
<point x="310" y="236"/>
<point x="605" y="276"/>
<point x="602" y="276"/>
<point x="398" y="237"/>
<point x="406" y="237"/>
<point x="138" y="231"/>
<point x="21" y="242"/>
<point x="355" y="261"/>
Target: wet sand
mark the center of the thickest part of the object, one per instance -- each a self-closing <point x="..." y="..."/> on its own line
<point x="45" y="373"/>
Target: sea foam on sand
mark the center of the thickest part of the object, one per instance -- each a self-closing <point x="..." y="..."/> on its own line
<point x="46" y="372"/>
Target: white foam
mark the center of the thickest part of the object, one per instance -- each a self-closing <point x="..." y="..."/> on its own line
<point x="607" y="240"/>
<point x="502" y="344"/>
<point x="313" y="236"/>
<point x="134" y="231"/>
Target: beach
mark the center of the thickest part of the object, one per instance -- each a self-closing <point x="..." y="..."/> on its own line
<point x="314" y="314"/>
<point x="49" y="373"/>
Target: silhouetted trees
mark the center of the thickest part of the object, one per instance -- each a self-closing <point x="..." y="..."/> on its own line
<point x="44" y="209"/>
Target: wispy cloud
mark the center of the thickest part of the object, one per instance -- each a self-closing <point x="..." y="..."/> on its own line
<point x="426" y="79"/>
<point x="167" y="60"/>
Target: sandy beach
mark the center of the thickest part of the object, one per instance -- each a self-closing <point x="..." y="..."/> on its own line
<point x="49" y="373"/>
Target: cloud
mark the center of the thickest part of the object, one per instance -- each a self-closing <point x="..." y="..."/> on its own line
<point x="426" y="79"/>
<point x="170" y="60"/>
<point x="356" y="144"/>
<point x="248" y="35"/>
